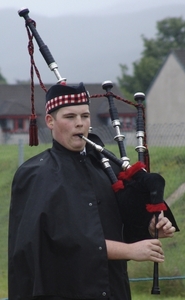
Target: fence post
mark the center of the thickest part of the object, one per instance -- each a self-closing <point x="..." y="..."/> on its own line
<point x="21" y="152"/>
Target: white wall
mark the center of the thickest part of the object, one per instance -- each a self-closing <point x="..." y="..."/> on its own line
<point x="165" y="101"/>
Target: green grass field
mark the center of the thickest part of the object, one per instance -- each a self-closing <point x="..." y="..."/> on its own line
<point x="170" y="163"/>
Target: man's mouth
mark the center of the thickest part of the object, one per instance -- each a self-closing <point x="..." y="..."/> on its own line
<point x="78" y="134"/>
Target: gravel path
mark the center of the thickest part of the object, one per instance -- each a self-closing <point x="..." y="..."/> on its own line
<point x="176" y="195"/>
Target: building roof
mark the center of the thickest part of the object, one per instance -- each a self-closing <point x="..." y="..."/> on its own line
<point x="123" y="109"/>
<point x="179" y="55"/>
<point x="10" y="107"/>
<point x="16" y="100"/>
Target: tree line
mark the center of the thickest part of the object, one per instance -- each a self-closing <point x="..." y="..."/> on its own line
<point x="170" y="35"/>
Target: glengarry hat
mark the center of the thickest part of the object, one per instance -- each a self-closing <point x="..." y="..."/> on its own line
<point x="60" y="95"/>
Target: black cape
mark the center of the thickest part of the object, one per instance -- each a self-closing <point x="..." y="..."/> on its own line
<point x="62" y="210"/>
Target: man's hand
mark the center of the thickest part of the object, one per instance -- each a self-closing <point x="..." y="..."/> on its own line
<point x="146" y="250"/>
<point x="164" y="226"/>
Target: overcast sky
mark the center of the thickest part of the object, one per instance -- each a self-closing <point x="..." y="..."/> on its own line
<point x="105" y="48"/>
<point x="62" y="7"/>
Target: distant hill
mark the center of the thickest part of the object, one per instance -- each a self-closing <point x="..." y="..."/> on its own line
<point x="86" y="48"/>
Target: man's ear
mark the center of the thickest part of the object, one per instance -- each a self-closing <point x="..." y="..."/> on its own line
<point x="49" y="121"/>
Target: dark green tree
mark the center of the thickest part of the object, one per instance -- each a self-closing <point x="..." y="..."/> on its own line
<point x="170" y="35"/>
<point x="2" y="79"/>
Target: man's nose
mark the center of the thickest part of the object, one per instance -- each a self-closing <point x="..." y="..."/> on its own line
<point x="79" y="121"/>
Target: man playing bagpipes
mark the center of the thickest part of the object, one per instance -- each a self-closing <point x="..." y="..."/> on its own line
<point x="65" y="233"/>
<point x="70" y="233"/>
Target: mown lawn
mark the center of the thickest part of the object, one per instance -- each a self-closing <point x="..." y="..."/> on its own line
<point x="170" y="163"/>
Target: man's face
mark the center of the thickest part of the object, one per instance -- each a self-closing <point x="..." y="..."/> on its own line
<point x="68" y="123"/>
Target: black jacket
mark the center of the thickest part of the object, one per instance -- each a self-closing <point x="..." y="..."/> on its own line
<point x="62" y="210"/>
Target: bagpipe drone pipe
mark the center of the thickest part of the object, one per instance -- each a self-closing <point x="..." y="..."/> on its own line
<point x="139" y="193"/>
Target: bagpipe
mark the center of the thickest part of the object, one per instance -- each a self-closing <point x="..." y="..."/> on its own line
<point x="139" y="193"/>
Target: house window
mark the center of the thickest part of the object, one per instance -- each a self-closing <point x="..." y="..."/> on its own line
<point x="3" y="123"/>
<point x="15" y="125"/>
<point x="128" y="123"/>
<point x="19" y="125"/>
